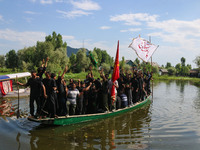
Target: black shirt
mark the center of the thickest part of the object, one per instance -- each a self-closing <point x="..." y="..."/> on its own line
<point x="35" y="85"/>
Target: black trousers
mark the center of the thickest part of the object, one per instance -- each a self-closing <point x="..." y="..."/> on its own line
<point x="31" y="104"/>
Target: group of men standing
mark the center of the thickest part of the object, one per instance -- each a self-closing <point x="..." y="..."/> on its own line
<point x="55" y="98"/>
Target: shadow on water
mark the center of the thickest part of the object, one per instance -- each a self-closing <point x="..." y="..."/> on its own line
<point x="125" y="131"/>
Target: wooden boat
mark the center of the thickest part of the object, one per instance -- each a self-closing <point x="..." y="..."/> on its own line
<point x="75" y="119"/>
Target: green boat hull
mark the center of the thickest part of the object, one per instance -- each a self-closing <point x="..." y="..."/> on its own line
<point x="75" y="119"/>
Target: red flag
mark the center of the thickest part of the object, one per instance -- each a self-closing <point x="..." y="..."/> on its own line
<point x="115" y="74"/>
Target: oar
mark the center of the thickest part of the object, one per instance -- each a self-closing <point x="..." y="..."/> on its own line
<point x="18" y="113"/>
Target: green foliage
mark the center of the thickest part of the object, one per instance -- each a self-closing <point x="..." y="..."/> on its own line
<point x="127" y="67"/>
<point x="183" y="61"/>
<point x="197" y="61"/>
<point x="168" y="65"/>
<point x="82" y="61"/>
<point x="2" y="61"/>
<point x="178" y="68"/>
<point x="155" y="70"/>
<point x="185" y="70"/>
<point x="137" y="61"/>
<point x="11" y="59"/>
<point x="171" y="71"/>
<point x="122" y="63"/>
<point x="106" y="67"/>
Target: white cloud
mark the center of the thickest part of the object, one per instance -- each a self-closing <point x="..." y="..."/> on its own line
<point x="85" y="5"/>
<point x="67" y="37"/>
<point x="131" y="30"/>
<point x="46" y="1"/>
<point x="73" y="14"/>
<point x="27" y="38"/>
<point x="1" y="18"/>
<point x="134" y="19"/>
<point x="30" y="12"/>
<point x="105" y="27"/>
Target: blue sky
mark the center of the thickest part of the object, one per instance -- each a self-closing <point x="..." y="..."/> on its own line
<point x="174" y="25"/>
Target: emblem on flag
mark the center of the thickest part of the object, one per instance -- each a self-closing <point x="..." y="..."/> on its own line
<point x="143" y="48"/>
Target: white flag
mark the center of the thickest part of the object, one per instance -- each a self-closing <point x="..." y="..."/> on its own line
<point x="143" y="48"/>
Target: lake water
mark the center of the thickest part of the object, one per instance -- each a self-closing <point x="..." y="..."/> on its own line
<point x="171" y="122"/>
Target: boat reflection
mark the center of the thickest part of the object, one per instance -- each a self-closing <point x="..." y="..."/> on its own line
<point x="131" y="129"/>
<point x="6" y="108"/>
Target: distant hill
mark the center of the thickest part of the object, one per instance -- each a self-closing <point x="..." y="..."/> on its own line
<point x="71" y="50"/>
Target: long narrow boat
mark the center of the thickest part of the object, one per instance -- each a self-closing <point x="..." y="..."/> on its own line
<point x="89" y="117"/>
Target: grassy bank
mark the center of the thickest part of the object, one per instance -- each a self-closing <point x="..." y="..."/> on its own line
<point x="195" y="81"/>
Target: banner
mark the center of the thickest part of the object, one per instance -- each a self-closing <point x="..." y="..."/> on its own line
<point x="143" y="48"/>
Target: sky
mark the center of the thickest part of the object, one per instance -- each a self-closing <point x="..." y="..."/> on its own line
<point x="174" y="25"/>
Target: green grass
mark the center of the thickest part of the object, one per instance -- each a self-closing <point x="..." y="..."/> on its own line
<point x="195" y="81"/>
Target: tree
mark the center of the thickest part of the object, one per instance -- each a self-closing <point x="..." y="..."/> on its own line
<point x="197" y="61"/>
<point x="2" y="61"/>
<point x="72" y="61"/>
<point x="178" y="68"/>
<point x="168" y="65"/>
<point x="189" y="66"/>
<point x="183" y="61"/>
<point x="171" y="71"/>
<point x="82" y="61"/>
<point x="185" y="70"/>
<point x="122" y="63"/>
<point x="56" y="40"/>
<point x="99" y="55"/>
<point x="11" y="59"/>
<point x="106" y="67"/>
<point x="137" y="61"/>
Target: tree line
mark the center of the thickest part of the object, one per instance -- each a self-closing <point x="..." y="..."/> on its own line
<point x="30" y="58"/>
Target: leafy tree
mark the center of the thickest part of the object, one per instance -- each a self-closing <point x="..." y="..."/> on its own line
<point x="155" y="69"/>
<point x="168" y="65"/>
<point x="197" y="61"/>
<point x="137" y="61"/>
<point x="127" y="67"/>
<point x="106" y="67"/>
<point x="82" y="61"/>
<point x="178" y="68"/>
<point x="185" y="70"/>
<point x="171" y="71"/>
<point x="99" y="55"/>
<point x="72" y="61"/>
<point x="56" y="40"/>
<point x="122" y="63"/>
<point x="183" y="61"/>
<point x="189" y="66"/>
<point x="11" y="59"/>
<point x="2" y="61"/>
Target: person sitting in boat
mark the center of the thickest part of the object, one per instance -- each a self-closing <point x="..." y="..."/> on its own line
<point x="35" y="86"/>
<point x="72" y="94"/>
<point x="124" y="99"/>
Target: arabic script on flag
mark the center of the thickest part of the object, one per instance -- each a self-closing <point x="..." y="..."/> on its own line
<point x="143" y="48"/>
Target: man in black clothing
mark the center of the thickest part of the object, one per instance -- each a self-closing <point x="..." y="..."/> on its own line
<point x="50" y="86"/>
<point x="35" y="86"/>
<point x="134" y="88"/>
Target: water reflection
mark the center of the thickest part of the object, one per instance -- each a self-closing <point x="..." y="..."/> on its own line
<point x="130" y="130"/>
<point x="6" y="108"/>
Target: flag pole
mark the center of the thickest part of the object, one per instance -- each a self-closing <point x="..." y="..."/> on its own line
<point x="18" y="113"/>
<point x="151" y="67"/>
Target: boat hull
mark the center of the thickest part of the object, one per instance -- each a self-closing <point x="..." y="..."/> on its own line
<point x="89" y="117"/>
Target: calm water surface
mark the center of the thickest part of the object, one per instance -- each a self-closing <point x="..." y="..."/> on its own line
<point x="172" y="121"/>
